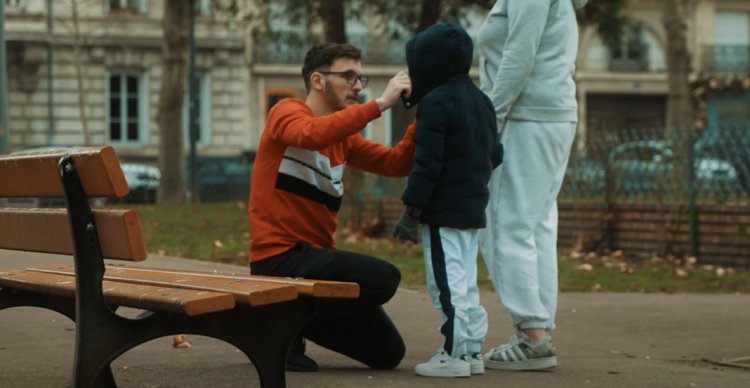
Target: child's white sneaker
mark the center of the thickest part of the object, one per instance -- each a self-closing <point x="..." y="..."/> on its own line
<point x="476" y="363"/>
<point x="443" y="365"/>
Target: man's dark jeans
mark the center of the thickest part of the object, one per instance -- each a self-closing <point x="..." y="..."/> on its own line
<point x="358" y="328"/>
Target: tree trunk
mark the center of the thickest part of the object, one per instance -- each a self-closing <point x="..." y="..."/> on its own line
<point x="679" y="103"/>
<point x="429" y="14"/>
<point x="680" y="120"/>
<point x="171" y="97"/>
<point x="79" y="75"/>
<point x="331" y="12"/>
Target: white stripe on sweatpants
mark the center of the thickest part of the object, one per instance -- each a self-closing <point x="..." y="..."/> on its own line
<point x="519" y="244"/>
<point x="451" y="268"/>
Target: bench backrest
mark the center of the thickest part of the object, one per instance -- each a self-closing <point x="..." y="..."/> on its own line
<point x="48" y="230"/>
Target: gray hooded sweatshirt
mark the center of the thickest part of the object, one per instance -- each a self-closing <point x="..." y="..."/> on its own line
<point x="527" y="52"/>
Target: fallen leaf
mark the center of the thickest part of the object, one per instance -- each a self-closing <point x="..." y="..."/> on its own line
<point x="180" y="342"/>
<point x="585" y="267"/>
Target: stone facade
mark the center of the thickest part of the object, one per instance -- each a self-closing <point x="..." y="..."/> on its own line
<point x="44" y="102"/>
<point x="244" y="76"/>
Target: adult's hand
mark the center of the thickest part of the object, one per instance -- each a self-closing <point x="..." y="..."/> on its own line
<point x="398" y="85"/>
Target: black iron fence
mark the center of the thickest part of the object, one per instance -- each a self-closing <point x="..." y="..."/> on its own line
<point x="647" y="192"/>
<point x="711" y="165"/>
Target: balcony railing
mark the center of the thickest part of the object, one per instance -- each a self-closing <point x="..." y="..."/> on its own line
<point x="726" y="59"/>
<point x="290" y="49"/>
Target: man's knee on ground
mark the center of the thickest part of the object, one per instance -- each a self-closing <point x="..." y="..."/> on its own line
<point x="390" y="359"/>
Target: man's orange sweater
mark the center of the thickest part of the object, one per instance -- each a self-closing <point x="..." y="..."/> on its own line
<point x="297" y="175"/>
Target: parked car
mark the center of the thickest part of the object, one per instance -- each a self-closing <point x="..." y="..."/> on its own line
<point x="646" y="167"/>
<point x="731" y="143"/>
<point x="584" y="178"/>
<point x="142" y="179"/>
<point x="221" y="178"/>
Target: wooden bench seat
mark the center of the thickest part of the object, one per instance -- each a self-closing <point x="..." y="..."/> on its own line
<point x="260" y="315"/>
<point x="249" y="289"/>
<point x="141" y="296"/>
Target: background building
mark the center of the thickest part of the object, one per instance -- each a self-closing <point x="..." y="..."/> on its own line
<point x="120" y="43"/>
<point x="244" y="70"/>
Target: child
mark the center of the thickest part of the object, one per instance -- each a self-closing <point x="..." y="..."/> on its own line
<point x="456" y="150"/>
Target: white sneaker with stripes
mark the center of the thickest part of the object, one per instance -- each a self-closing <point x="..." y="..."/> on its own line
<point x="522" y="354"/>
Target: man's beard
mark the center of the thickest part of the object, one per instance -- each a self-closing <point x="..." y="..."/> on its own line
<point x="334" y="102"/>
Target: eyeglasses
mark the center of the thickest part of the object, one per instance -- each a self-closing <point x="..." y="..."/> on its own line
<point x="351" y="77"/>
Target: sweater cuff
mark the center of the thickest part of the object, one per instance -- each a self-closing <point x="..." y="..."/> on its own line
<point x="372" y="109"/>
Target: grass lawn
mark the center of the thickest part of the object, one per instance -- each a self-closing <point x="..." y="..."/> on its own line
<point x="219" y="233"/>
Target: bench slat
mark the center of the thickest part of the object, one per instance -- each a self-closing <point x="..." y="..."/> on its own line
<point x="48" y="231"/>
<point x="175" y="300"/>
<point x="245" y="291"/>
<point x="308" y="287"/>
<point x="35" y="174"/>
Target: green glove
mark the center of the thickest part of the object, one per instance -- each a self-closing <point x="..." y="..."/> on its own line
<point x="407" y="227"/>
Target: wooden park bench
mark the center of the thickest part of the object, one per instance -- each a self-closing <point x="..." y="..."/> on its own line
<point x="257" y="314"/>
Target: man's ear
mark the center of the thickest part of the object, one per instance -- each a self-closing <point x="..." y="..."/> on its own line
<point x="316" y="81"/>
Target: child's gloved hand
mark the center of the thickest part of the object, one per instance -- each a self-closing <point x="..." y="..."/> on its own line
<point x="407" y="227"/>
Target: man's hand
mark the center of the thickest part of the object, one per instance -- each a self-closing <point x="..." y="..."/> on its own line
<point x="407" y="227"/>
<point x="398" y="85"/>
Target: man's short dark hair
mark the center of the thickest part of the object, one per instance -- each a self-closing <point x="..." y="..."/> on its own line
<point x="322" y="55"/>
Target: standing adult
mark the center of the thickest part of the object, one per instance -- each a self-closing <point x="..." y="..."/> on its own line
<point x="296" y="194"/>
<point x="527" y="54"/>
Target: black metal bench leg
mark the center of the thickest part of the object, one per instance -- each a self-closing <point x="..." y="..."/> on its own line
<point x="18" y="298"/>
<point x="105" y="379"/>
<point x="267" y="348"/>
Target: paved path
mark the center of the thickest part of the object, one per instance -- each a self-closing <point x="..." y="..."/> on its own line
<point x="604" y="340"/>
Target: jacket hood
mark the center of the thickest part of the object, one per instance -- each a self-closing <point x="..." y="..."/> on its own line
<point x="436" y="54"/>
<point x="578" y="4"/>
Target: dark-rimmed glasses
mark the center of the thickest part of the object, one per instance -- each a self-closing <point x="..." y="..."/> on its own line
<point x="351" y="77"/>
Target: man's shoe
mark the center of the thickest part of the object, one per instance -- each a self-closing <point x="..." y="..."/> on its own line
<point x="522" y="354"/>
<point x="296" y="360"/>
<point x="443" y="365"/>
<point x="476" y="363"/>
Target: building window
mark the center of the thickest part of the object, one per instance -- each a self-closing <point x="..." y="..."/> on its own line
<point x="203" y="7"/>
<point x="400" y="119"/>
<point x="203" y="114"/>
<point x="126" y="108"/>
<point x="15" y="3"/>
<point x="128" y="6"/>
<point x="731" y="53"/>
<point x="363" y="97"/>
<point x="275" y="95"/>
<point x="632" y="53"/>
